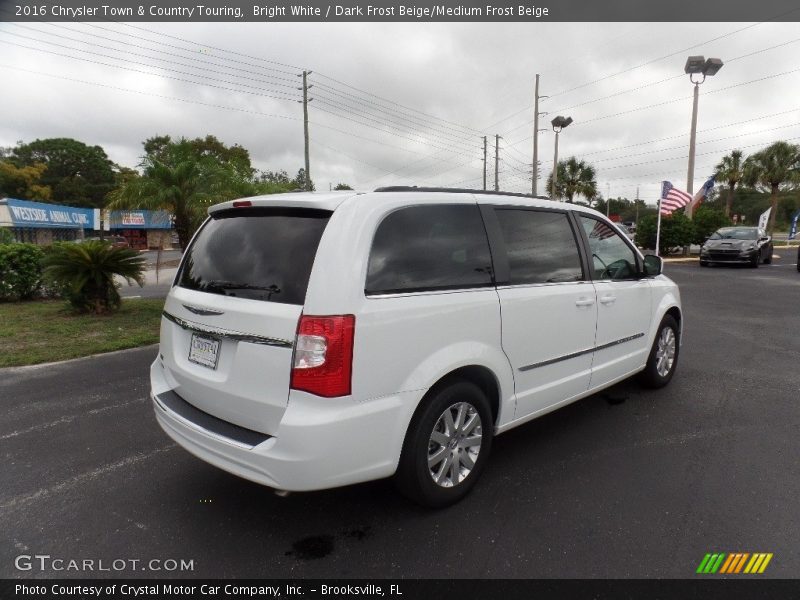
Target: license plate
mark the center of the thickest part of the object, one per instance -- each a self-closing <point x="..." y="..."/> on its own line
<point x="204" y="351"/>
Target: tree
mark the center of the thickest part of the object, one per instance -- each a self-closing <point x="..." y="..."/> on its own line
<point x="77" y="174"/>
<point x="730" y="170"/>
<point x="235" y="156"/>
<point x="86" y="272"/>
<point x="574" y="178"/>
<point x="706" y="220"/>
<point x="23" y="182"/>
<point x="281" y="177"/>
<point x="300" y="181"/>
<point x="771" y="169"/>
<point x="184" y="179"/>
<point x="342" y="186"/>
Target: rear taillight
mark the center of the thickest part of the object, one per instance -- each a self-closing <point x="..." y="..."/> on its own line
<point x="323" y="355"/>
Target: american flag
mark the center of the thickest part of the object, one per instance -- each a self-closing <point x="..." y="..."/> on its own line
<point x="601" y="231"/>
<point x="672" y="198"/>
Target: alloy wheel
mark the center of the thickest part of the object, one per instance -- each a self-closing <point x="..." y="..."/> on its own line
<point x="454" y="444"/>
<point x="665" y="352"/>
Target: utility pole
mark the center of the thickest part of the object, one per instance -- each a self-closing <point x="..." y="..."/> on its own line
<point x="535" y="176"/>
<point x="484" y="163"/>
<point x="496" y="162"/>
<point x="636" y="203"/>
<point x="306" y="87"/>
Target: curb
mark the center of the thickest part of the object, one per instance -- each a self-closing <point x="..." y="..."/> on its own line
<point x="71" y="360"/>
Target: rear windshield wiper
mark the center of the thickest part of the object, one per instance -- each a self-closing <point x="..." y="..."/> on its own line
<point x="231" y="285"/>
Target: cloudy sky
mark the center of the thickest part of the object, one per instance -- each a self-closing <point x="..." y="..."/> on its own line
<point x="409" y="103"/>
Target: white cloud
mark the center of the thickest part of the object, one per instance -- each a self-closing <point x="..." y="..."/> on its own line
<point x="471" y="74"/>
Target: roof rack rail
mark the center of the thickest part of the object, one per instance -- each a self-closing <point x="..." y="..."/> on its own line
<point x="414" y="188"/>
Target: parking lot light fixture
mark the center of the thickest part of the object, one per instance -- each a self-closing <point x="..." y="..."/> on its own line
<point x="697" y="68"/>
<point x="558" y="124"/>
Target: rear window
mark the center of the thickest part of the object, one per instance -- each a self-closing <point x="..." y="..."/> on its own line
<point x="255" y="253"/>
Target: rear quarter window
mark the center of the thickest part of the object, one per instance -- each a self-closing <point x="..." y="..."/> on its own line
<point x="427" y="248"/>
<point x="256" y="253"/>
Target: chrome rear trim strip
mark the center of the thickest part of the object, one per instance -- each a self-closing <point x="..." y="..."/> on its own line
<point x="227" y="333"/>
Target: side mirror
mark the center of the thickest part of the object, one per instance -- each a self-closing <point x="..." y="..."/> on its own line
<point x="653" y="265"/>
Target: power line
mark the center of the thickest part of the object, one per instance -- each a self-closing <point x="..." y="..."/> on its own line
<point x="283" y="96"/>
<point x="400" y="105"/>
<point x="384" y="120"/>
<point x="141" y="93"/>
<point x="292" y="81"/>
<point x="378" y="108"/>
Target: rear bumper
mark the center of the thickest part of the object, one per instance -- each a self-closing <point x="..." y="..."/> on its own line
<point x="321" y="443"/>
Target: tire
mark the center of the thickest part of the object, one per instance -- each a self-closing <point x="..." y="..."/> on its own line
<point x="756" y="260"/>
<point x="430" y="435"/>
<point x="768" y="257"/>
<point x="655" y="375"/>
<point x="703" y="263"/>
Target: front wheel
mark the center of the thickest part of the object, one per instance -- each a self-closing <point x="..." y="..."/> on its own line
<point x="446" y="446"/>
<point x="768" y="257"/>
<point x="663" y="357"/>
<point x="754" y="262"/>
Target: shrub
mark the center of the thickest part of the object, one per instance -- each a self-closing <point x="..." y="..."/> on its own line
<point x="707" y="220"/>
<point x="86" y="273"/>
<point x="6" y="237"/>
<point x="20" y="271"/>
<point x="677" y="231"/>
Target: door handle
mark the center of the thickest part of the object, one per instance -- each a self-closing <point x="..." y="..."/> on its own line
<point x="609" y="299"/>
<point x="584" y="302"/>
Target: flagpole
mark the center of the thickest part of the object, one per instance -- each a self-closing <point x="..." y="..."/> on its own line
<point x="658" y="227"/>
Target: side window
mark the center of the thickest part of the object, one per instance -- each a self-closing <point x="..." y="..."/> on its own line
<point x="435" y="247"/>
<point x="611" y="257"/>
<point x="541" y="246"/>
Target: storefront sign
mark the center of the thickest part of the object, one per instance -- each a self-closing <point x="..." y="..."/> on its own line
<point x="36" y="214"/>
<point x="140" y="219"/>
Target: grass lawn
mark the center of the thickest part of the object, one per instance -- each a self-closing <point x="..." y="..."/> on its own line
<point x="45" y="331"/>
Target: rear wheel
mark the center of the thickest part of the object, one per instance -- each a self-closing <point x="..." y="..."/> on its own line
<point x="446" y="446"/>
<point x="663" y="357"/>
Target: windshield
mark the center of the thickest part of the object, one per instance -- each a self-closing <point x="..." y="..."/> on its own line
<point x="735" y="233"/>
<point x="256" y="253"/>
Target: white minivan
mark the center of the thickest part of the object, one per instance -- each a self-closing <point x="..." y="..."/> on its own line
<point x="315" y="340"/>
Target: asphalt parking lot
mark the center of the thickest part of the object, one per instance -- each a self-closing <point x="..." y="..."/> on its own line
<point x="631" y="483"/>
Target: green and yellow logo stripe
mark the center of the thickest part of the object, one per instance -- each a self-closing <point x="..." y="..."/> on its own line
<point x="736" y="562"/>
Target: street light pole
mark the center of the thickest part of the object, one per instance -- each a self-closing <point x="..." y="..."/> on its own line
<point x="692" y="138"/>
<point x="558" y="124"/>
<point x="700" y="67"/>
<point x="555" y="164"/>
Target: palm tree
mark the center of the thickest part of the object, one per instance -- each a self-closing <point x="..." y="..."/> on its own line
<point x="730" y="170"/>
<point x="775" y="166"/>
<point x="574" y="177"/>
<point x="182" y="184"/>
<point x="86" y="272"/>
